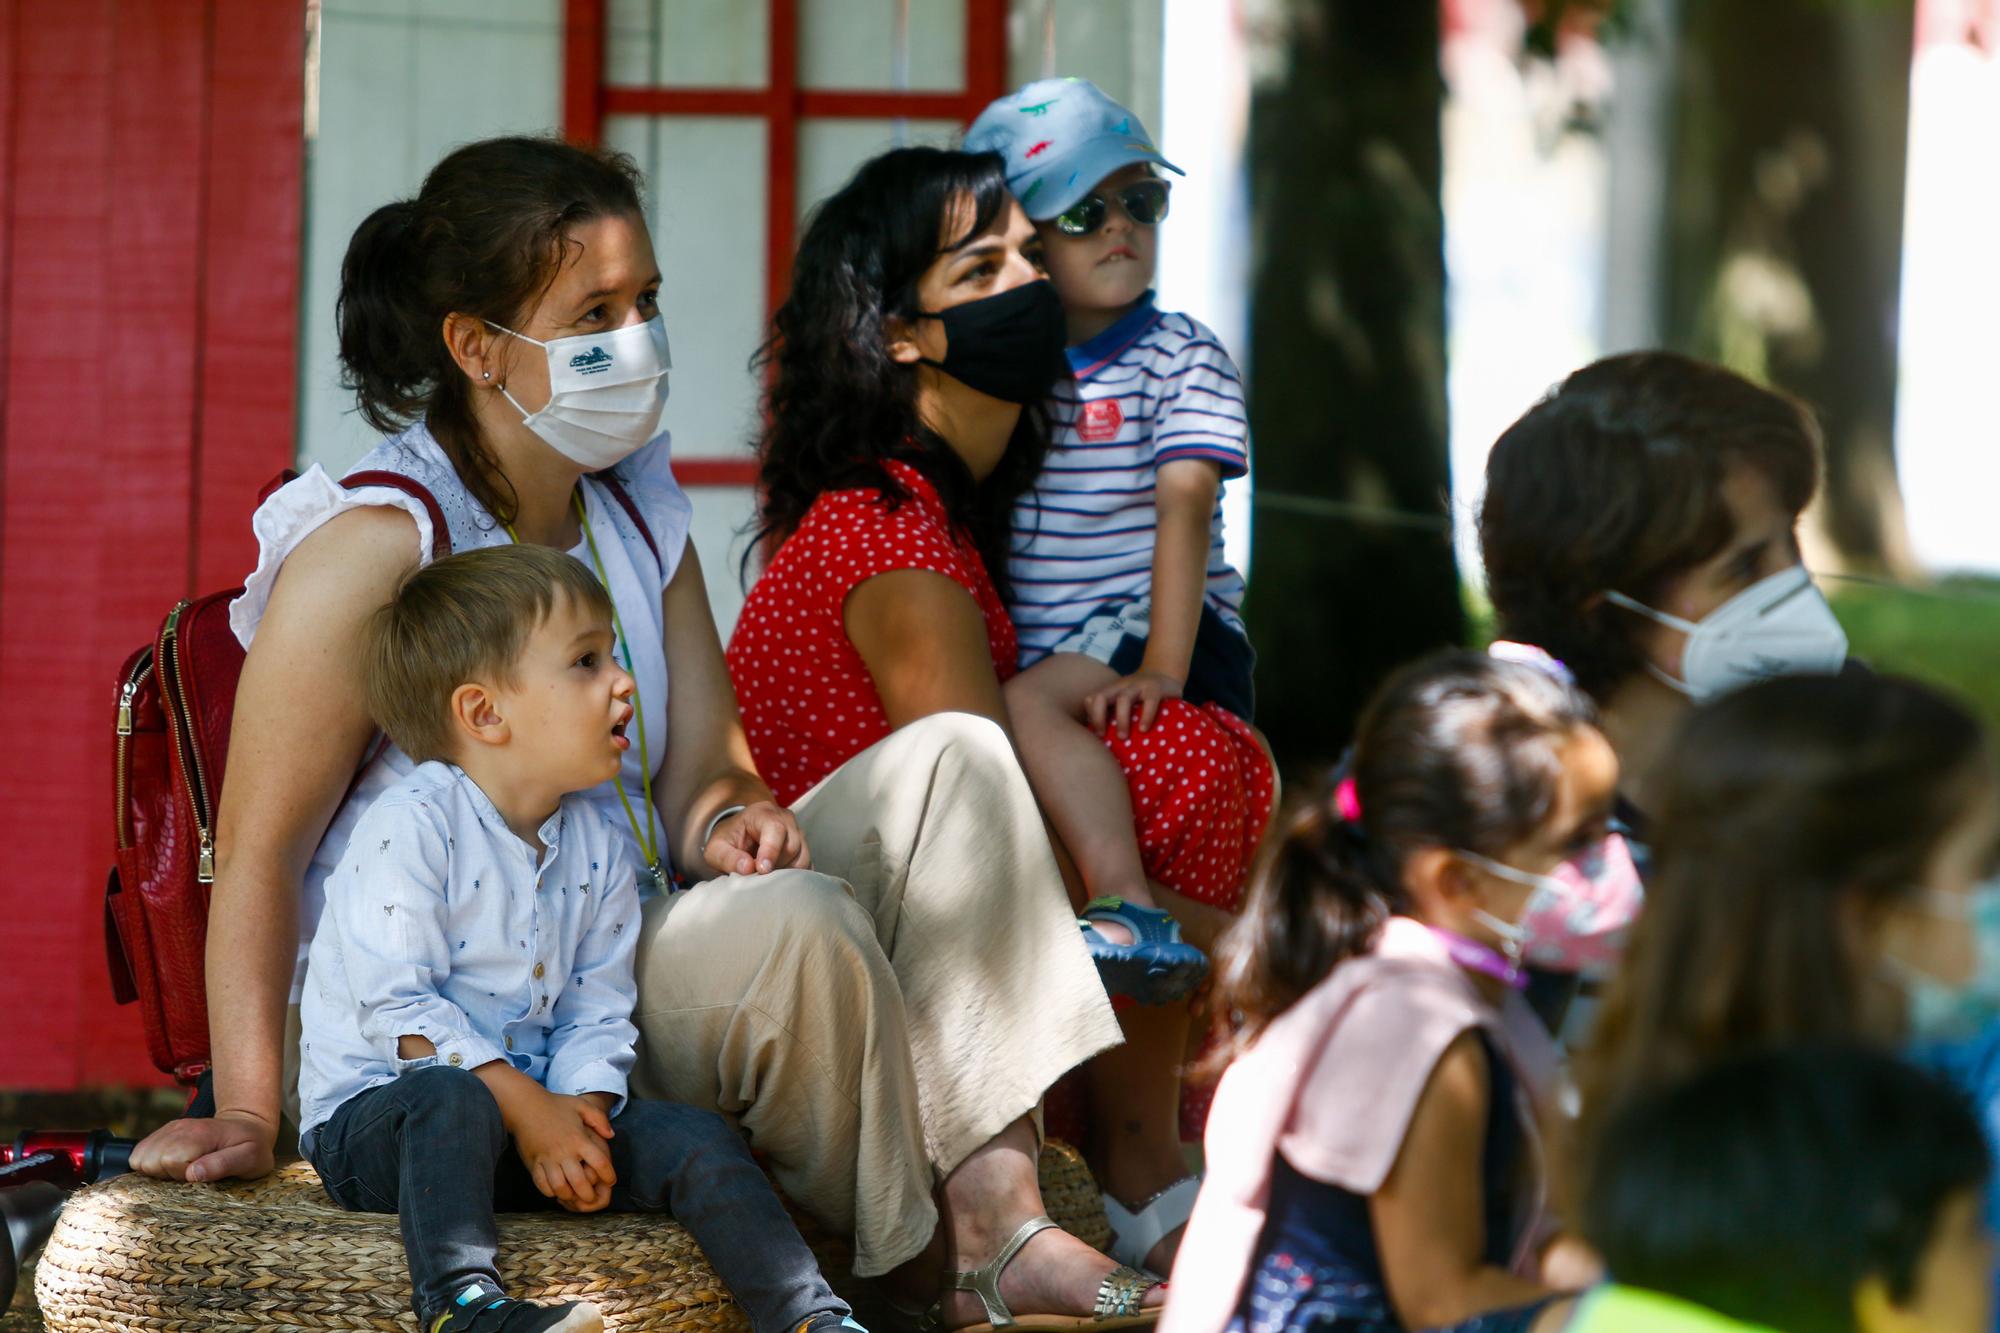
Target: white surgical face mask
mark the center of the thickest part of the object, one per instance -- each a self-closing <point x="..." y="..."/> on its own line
<point x="606" y="392"/>
<point x="1778" y="626"/>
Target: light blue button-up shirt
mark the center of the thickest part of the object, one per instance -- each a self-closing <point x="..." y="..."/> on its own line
<point x="441" y="923"/>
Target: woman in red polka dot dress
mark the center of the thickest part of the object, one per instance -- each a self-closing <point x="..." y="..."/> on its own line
<point x="866" y="662"/>
<point x="918" y="327"/>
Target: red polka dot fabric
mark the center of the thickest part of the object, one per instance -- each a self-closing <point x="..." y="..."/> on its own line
<point x="809" y="704"/>
<point x="1202" y="788"/>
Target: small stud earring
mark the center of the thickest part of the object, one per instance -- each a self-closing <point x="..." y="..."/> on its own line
<point x="486" y="374"/>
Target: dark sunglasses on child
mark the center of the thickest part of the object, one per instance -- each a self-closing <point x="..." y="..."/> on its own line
<point x="1145" y="202"/>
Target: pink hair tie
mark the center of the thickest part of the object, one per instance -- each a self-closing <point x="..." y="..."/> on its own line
<point x="1347" y="801"/>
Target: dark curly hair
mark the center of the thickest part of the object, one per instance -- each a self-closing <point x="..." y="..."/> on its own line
<point x="1614" y="482"/>
<point x="484" y="236"/>
<point x="839" y="407"/>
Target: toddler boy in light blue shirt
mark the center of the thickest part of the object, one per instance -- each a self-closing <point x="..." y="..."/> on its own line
<point x="470" y="986"/>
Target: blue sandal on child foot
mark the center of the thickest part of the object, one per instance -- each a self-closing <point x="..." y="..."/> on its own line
<point x="478" y="1310"/>
<point x="1157" y="967"/>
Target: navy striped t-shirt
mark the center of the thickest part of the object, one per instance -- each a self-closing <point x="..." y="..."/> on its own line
<point x="1153" y="388"/>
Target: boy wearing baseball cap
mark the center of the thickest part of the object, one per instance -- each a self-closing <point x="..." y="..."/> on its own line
<point x="1122" y="596"/>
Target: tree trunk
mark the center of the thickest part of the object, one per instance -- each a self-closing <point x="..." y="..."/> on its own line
<point x="1785" y="241"/>
<point x="1353" y="572"/>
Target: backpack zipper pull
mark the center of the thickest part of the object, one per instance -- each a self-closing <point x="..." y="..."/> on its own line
<point x="130" y="688"/>
<point x="205" y="868"/>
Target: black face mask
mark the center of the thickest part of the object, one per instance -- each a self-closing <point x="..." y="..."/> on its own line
<point x="1009" y="346"/>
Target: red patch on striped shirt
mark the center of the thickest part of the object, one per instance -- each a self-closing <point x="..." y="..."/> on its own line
<point x="1037" y="149"/>
<point x="1100" y="421"/>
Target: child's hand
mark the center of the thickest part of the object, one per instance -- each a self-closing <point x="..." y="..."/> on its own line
<point x="756" y="840"/>
<point x="561" y="1141"/>
<point x="1115" y="701"/>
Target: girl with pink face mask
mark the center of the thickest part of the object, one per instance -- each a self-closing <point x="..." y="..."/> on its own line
<point x="1377" y="1153"/>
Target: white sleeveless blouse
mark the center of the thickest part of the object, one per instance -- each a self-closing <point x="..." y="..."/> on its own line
<point x="635" y="577"/>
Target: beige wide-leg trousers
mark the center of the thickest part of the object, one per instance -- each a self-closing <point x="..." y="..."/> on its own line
<point x="872" y="1021"/>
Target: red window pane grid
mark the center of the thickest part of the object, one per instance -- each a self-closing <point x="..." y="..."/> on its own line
<point x="781" y="105"/>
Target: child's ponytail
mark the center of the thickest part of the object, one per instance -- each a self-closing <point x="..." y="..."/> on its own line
<point x="1316" y="899"/>
<point x="1462" y="751"/>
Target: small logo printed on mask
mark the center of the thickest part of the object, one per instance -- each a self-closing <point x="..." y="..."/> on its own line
<point x="1100" y="421"/>
<point x="589" y="363"/>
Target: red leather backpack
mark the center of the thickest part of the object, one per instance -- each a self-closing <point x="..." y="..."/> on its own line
<point x="176" y="695"/>
<point x="175" y="698"/>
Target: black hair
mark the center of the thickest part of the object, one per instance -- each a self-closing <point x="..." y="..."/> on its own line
<point x="839" y="407"/>
<point x="1458" y="750"/>
<point x="1768" y="1187"/>
<point x="1614" y="482"/>
<point x="484" y="236"/>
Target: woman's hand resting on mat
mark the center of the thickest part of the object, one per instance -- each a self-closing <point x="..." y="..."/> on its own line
<point x="232" y="1144"/>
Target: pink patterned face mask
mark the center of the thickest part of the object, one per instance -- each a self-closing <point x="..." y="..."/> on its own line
<point x="1579" y="914"/>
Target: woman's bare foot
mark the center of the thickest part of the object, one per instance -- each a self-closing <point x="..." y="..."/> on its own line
<point x="986" y="1199"/>
<point x="1055" y="1273"/>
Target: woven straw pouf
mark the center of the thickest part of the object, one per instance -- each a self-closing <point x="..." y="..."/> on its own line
<point x="134" y="1254"/>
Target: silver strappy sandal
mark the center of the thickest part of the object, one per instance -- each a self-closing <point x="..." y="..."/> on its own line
<point x="1118" y="1296"/>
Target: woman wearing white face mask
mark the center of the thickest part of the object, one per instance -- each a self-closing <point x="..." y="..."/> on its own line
<point x="1639" y="526"/>
<point x="491" y="438"/>
<point x="1379" y="1150"/>
<point x="503" y="329"/>
<point x="1825" y="870"/>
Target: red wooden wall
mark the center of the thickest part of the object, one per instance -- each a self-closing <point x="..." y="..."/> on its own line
<point x="150" y="200"/>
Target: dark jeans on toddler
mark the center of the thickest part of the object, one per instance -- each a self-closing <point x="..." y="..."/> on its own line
<point x="430" y="1147"/>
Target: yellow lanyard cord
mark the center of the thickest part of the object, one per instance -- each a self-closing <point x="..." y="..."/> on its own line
<point x="648" y="840"/>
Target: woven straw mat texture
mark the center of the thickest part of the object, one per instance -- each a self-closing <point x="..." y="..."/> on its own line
<point x="139" y="1254"/>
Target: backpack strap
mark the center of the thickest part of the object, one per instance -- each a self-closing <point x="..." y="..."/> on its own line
<point x="440" y="532"/>
<point x="277" y="483"/>
<point x="631" y="508"/>
<point x="395" y="481"/>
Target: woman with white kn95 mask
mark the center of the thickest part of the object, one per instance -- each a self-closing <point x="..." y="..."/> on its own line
<point x="1640" y="527"/>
